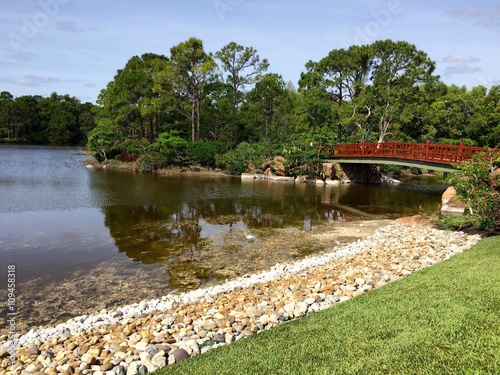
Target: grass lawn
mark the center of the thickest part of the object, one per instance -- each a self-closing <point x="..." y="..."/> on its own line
<point x="443" y="320"/>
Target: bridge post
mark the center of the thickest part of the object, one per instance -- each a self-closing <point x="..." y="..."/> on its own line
<point x="427" y="145"/>
<point x="363" y="147"/>
<point x="460" y="151"/>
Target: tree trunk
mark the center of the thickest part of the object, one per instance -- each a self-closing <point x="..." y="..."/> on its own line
<point x="193" y="130"/>
<point x="198" y="121"/>
<point x="151" y="130"/>
<point x="233" y="117"/>
<point x="383" y="125"/>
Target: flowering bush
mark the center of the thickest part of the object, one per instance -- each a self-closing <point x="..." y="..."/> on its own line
<point x="477" y="186"/>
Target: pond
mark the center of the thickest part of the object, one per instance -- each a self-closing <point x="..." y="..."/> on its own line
<point x="84" y="239"/>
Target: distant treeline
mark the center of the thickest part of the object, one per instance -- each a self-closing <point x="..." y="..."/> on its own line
<point x="192" y="104"/>
<point x="58" y="119"/>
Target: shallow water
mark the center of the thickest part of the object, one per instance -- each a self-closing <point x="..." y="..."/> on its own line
<point x="64" y="224"/>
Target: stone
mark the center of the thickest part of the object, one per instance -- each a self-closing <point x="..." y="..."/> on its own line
<point x="494" y="178"/>
<point x="328" y="171"/>
<point x="108" y="366"/>
<point x="91" y="360"/>
<point x="219" y="337"/>
<point x="248" y="176"/>
<point x="33" y="350"/>
<point x="240" y="307"/>
<point x="96" y="352"/>
<point x="413" y="220"/>
<point x="83" y="349"/>
<point x="180" y="355"/>
<point x="159" y="359"/>
<point x="450" y="201"/>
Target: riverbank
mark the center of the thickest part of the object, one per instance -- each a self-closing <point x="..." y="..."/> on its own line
<point x="131" y="166"/>
<point x="48" y="303"/>
<point x="151" y="334"/>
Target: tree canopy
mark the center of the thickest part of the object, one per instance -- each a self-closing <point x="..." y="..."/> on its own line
<point x="384" y="91"/>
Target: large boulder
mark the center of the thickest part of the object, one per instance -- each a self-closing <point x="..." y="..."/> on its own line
<point x="274" y="167"/>
<point x="328" y="171"/>
<point x="494" y="178"/>
<point x="450" y="201"/>
<point x="413" y="220"/>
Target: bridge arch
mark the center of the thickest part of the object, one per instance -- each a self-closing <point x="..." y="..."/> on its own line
<point x="427" y="155"/>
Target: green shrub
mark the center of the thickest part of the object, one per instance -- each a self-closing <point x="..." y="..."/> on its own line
<point x="472" y="183"/>
<point x="304" y="155"/>
<point x="239" y="160"/>
<point x="204" y="152"/>
<point x="460" y="222"/>
<point x="145" y="163"/>
<point x="170" y="149"/>
<point x="465" y="141"/>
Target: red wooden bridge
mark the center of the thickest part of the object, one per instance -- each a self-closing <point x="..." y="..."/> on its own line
<point x="424" y="155"/>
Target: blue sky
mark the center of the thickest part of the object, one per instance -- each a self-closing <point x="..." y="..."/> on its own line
<point x="75" y="47"/>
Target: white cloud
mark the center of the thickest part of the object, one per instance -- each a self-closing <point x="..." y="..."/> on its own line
<point x="458" y="58"/>
<point x="30" y="80"/>
<point x="489" y="18"/>
<point x="461" y="69"/>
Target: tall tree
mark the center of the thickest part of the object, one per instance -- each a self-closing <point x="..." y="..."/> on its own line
<point x="131" y="101"/>
<point x="397" y="72"/>
<point x="340" y="78"/>
<point x="28" y="119"/>
<point x="59" y="113"/>
<point x="6" y="120"/>
<point x="192" y="70"/>
<point x="493" y="110"/>
<point x="244" y="67"/>
<point x="267" y="109"/>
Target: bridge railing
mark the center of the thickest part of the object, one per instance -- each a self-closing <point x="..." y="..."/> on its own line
<point x="430" y="152"/>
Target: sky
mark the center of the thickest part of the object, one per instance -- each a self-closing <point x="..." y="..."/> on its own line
<point x="75" y="47"/>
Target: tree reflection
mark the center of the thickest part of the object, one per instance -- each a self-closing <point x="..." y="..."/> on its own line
<point x="195" y="226"/>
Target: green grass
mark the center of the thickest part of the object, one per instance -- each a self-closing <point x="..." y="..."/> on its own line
<point x="443" y="320"/>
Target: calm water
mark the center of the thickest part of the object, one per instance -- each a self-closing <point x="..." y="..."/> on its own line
<point x="58" y="217"/>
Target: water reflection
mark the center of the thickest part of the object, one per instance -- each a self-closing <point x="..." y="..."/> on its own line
<point x="167" y="218"/>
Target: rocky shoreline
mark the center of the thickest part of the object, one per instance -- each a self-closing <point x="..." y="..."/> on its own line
<point x="146" y="336"/>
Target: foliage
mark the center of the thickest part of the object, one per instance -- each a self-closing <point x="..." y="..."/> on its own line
<point x="383" y="90"/>
<point x="244" y="67"/>
<point x="170" y="148"/>
<point x="146" y="163"/>
<point x="130" y="102"/>
<point x="464" y="141"/>
<point x="101" y="140"/>
<point x="57" y="119"/>
<point x="459" y="222"/>
<point x="205" y="152"/>
<point x="304" y="154"/>
<point x="476" y="186"/>
<point x="245" y="157"/>
<point x="267" y="113"/>
<point x="190" y="71"/>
